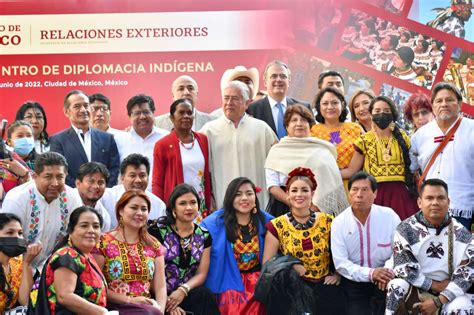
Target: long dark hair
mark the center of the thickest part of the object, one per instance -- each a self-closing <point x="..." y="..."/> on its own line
<point x="6" y="218"/>
<point x="178" y="191"/>
<point x="73" y="220"/>
<point x="230" y="218"/>
<point x="397" y="134"/>
<point x="20" y="115"/>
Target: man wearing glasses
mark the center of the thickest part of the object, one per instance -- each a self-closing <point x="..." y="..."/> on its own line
<point x="80" y="144"/>
<point x="143" y="134"/>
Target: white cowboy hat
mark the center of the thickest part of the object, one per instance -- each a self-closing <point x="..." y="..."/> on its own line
<point x="240" y="71"/>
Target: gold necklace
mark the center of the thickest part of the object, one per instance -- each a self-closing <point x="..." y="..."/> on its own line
<point x="386" y="156"/>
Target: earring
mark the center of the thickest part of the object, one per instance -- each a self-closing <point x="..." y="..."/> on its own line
<point x="69" y="242"/>
<point x="121" y="222"/>
<point x="254" y="210"/>
<point x="392" y="126"/>
<point x="174" y="214"/>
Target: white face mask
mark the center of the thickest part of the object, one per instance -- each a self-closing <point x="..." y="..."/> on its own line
<point x="24" y="146"/>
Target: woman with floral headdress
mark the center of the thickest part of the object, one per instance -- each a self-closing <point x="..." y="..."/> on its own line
<point x="303" y="234"/>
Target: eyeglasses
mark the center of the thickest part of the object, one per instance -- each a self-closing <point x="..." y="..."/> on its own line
<point x="30" y="117"/>
<point x="103" y="108"/>
<point x="138" y="113"/>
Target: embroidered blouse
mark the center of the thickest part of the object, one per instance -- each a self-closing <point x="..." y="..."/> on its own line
<point x="247" y="252"/>
<point x="181" y="263"/>
<point x="342" y="137"/>
<point x="91" y="284"/>
<point x="393" y="170"/>
<point x="12" y="284"/>
<point x="311" y="246"/>
<point x="128" y="268"/>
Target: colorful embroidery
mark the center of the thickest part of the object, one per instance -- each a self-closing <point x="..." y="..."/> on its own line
<point x="12" y="284"/>
<point x="247" y="254"/>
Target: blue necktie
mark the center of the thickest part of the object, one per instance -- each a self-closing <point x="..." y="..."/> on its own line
<point x="281" y="131"/>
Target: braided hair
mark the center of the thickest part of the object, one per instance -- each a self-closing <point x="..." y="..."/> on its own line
<point x="397" y="134"/>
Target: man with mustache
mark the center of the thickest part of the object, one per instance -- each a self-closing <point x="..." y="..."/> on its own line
<point x="454" y="164"/>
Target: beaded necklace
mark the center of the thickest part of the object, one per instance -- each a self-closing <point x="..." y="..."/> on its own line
<point x="302" y="226"/>
<point x="35" y="212"/>
<point x="192" y="143"/>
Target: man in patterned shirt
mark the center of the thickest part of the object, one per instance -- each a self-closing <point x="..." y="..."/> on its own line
<point x="451" y="20"/>
<point x="433" y="253"/>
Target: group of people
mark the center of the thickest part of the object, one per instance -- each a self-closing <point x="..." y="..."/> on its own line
<point x="269" y="206"/>
<point x="393" y="49"/>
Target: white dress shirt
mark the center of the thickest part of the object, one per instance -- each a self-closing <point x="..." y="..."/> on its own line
<point x="359" y="248"/>
<point x="86" y="142"/>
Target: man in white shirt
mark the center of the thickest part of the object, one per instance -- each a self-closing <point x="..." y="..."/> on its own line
<point x="134" y="170"/>
<point x="361" y="244"/>
<point x="44" y="204"/>
<point x="455" y="163"/>
<point x="80" y="143"/>
<point x="91" y="182"/>
<point x="184" y="87"/>
<point x="238" y="144"/>
<point x="143" y="135"/>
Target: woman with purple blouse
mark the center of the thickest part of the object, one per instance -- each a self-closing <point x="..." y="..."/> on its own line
<point x="188" y="248"/>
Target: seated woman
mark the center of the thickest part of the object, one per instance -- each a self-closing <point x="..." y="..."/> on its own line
<point x="71" y="281"/>
<point x="237" y="233"/>
<point x="188" y="248"/>
<point x="303" y="234"/>
<point x="34" y="114"/>
<point x="16" y="277"/>
<point x="300" y="149"/>
<point x="20" y="138"/>
<point x="132" y="260"/>
<point x="359" y="108"/>
<point x="182" y="157"/>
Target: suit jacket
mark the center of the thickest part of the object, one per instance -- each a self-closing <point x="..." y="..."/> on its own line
<point x="103" y="150"/>
<point x="200" y="119"/>
<point x="168" y="166"/>
<point x="261" y="110"/>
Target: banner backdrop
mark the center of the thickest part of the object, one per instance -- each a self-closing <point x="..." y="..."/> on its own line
<point x="122" y="48"/>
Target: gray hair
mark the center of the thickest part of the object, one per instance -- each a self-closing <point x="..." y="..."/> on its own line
<point x="244" y="89"/>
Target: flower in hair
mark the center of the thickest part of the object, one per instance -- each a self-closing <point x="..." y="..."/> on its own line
<point x="258" y="189"/>
<point x="304" y="172"/>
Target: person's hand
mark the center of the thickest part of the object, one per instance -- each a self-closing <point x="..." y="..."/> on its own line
<point x="334" y="279"/>
<point x="383" y="275"/>
<point x="381" y="285"/>
<point x="141" y="300"/>
<point x="31" y="252"/>
<point x="439" y="286"/>
<point x="427" y="307"/>
<point x="15" y="167"/>
<point x="177" y="311"/>
<point x="300" y="269"/>
<point x="174" y="299"/>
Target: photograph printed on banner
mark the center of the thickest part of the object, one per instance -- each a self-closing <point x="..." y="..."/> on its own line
<point x="399" y="97"/>
<point x="394" y="6"/>
<point x="449" y="16"/>
<point x="392" y="49"/>
<point x="305" y="70"/>
<point x="460" y="72"/>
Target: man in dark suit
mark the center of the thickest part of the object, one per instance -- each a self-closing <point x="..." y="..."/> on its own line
<point x="81" y="144"/>
<point x="272" y="108"/>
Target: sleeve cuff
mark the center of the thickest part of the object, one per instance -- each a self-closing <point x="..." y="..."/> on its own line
<point x="426" y="285"/>
<point x="371" y="271"/>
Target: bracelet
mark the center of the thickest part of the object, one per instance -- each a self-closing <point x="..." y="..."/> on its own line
<point x="437" y="302"/>
<point x="184" y="290"/>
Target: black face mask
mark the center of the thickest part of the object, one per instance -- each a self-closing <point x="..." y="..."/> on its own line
<point x="382" y="120"/>
<point x="12" y="246"/>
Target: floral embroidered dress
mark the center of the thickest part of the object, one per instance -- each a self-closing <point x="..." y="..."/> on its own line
<point x="182" y="256"/>
<point x="128" y="268"/>
<point x="90" y="285"/>
<point x="8" y="301"/>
